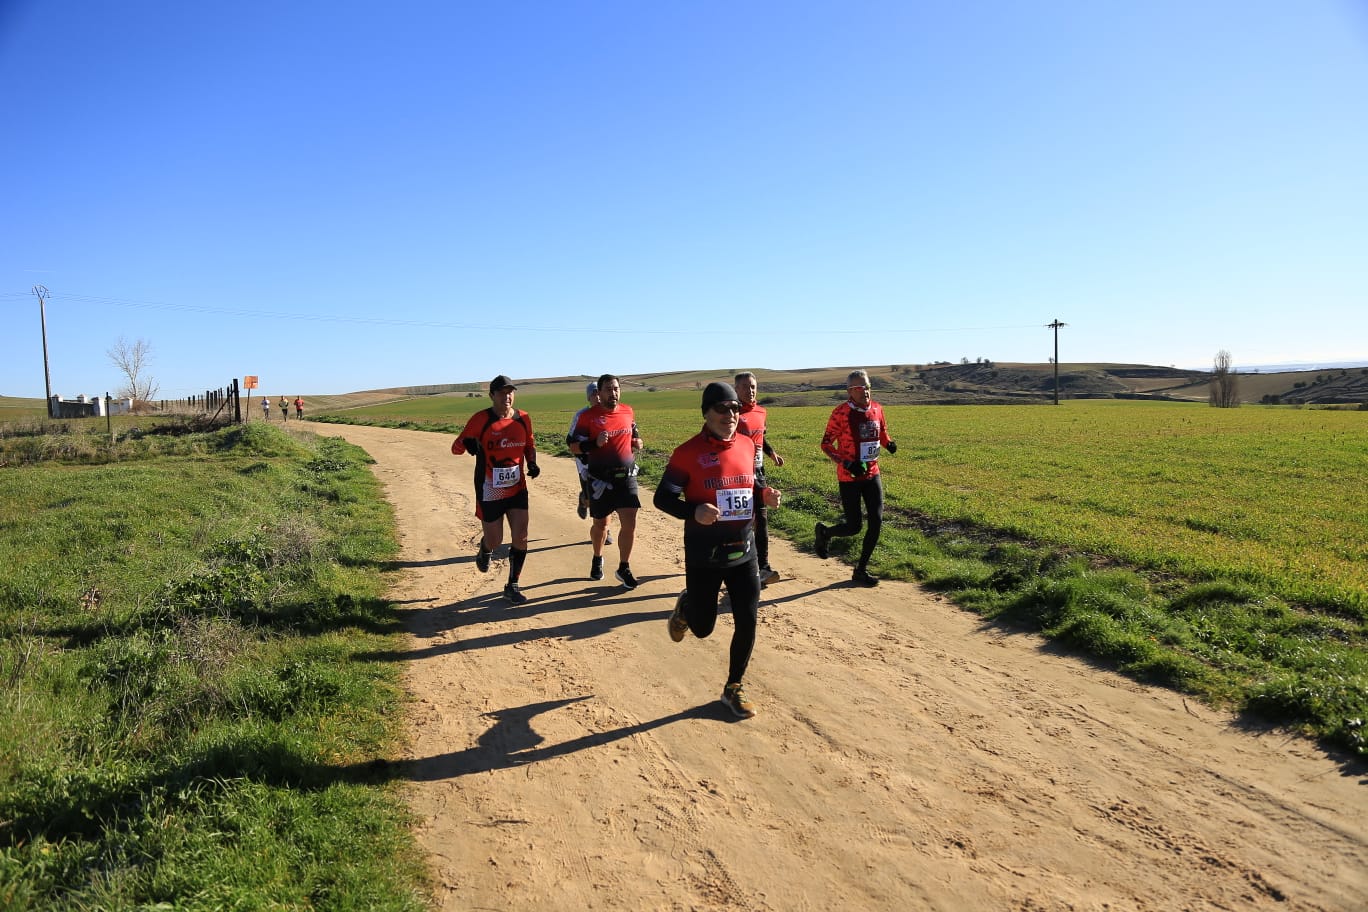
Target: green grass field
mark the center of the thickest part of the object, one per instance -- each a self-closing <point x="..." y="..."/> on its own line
<point x="189" y="718"/>
<point x="1223" y="552"/>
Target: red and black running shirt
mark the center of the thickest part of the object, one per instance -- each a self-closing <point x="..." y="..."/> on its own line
<point x="506" y="448"/>
<point x="707" y="469"/>
<point x="753" y="418"/>
<point x="854" y="434"/>
<point x="615" y="458"/>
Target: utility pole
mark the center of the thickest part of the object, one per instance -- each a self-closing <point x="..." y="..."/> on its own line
<point x="1055" y="326"/>
<point x="42" y="293"/>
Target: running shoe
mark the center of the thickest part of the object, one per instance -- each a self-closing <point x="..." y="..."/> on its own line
<point x="821" y="541"/>
<point x="514" y="594"/>
<point x="596" y="569"/>
<point x="482" y="559"/>
<point x="583" y="508"/>
<point x="862" y="577"/>
<point x="767" y="576"/>
<point x="679" y="624"/>
<point x="624" y="575"/>
<point x="607" y="536"/>
<point x="734" y="698"/>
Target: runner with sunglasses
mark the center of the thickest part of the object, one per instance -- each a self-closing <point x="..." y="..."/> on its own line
<point x="854" y="433"/>
<point x="709" y="483"/>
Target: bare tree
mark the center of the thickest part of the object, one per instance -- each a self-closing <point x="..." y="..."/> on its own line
<point x="1225" y="383"/>
<point x="133" y="360"/>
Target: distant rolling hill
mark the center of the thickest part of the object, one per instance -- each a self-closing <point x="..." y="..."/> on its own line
<point x="984" y="382"/>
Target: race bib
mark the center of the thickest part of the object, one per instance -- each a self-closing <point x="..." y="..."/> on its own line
<point x="735" y="503"/>
<point x="506" y="476"/>
<point x="869" y="450"/>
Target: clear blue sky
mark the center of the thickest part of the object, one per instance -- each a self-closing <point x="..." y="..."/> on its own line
<point x="340" y="196"/>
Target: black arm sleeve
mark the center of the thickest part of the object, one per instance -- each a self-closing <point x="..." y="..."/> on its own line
<point x="669" y="499"/>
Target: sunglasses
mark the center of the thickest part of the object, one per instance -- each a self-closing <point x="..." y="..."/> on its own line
<point x="721" y="407"/>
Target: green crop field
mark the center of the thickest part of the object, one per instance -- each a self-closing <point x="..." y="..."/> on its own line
<point x="1220" y="551"/>
<point x="1270" y="496"/>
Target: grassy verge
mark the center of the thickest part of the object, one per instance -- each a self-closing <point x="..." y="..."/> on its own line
<point x="185" y="719"/>
<point x="1217" y="552"/>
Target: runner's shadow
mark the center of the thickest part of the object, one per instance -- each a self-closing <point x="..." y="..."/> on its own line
<point x="408" y="565"/>
<point x="579" y="630"/>
<point x="797" y="595"/>
<point x="512" y="741"/>
<point x="534" y="546"/>
<point x="491" y="607"/>
<point x="584" y="598"/>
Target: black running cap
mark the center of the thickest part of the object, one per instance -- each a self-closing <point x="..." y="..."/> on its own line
<point x="717" y="392"/>
<point x="501" y="382"/>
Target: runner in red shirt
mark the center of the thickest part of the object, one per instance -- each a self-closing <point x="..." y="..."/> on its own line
<point x="709" y="483"/>
<point x="500" y="439"/>
<point x="582" y="461"/>
<point x="753" y="418"/>
<point x="854" y="433"/>
<point x="607" y="434"/>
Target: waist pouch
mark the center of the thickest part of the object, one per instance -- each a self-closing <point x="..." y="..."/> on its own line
<point x="709" y="551"/>
<point x="611" y="474"/>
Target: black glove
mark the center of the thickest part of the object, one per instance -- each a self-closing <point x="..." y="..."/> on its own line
<point x="855" y="468"/>
<point x="892" y="446"/>
<point x="472" y="446"/>
<point x="533" y="470"/>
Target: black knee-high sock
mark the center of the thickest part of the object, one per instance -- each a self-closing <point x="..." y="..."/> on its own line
<point x="515" y="563"/>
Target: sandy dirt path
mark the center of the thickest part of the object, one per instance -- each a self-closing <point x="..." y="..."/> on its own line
<point x="565" y="754"/>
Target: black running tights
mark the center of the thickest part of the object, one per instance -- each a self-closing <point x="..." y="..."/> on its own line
<point x="743" y="588"/>
<point x="869" y="492"/>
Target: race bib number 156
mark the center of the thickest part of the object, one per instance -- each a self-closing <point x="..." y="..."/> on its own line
<point x="735" y="503"/>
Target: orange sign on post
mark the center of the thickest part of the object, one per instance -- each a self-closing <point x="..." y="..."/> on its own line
<point x="249" y="382"/>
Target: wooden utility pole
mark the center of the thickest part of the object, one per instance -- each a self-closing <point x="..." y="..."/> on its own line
<point x="42" y="293"/>
<point x="1056" y="326"/>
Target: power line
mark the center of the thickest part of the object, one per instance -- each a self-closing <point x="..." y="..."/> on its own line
<point x="500" y="327"/>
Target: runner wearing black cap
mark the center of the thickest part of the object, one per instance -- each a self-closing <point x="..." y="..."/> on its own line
<point x="500" y="439"/>
<point x="709" y="483"/>
<point x="606" y="433"/>
<point x="854" y="433"/>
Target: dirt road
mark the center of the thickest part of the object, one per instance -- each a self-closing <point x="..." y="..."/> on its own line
<point x="565" y="754"/>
